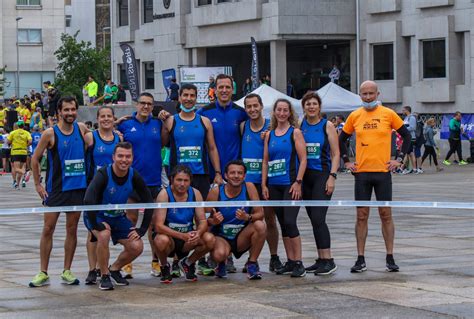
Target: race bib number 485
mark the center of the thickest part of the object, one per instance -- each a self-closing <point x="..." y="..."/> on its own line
<point x="74" y="167"/>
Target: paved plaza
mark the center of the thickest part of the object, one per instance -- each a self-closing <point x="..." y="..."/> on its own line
<point x="434" y="249"/>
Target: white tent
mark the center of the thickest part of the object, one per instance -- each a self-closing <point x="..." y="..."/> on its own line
<point x="269" y="95"/>
<point x="337" y="99"/>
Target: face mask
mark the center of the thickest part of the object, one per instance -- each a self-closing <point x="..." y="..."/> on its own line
<point x="370" y="105"/>
<point x="185" y="110"/>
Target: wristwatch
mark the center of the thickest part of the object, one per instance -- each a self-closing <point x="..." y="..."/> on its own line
<point x="299" y="181"/>
<point x="333" y="175"/>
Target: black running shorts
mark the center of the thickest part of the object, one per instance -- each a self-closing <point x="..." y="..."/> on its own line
<point x="379" y="182"/>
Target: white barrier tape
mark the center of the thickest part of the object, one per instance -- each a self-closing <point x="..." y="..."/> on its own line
<point x="270" y="203"/>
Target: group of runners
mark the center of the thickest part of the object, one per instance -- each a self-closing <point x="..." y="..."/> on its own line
<point x="221" y="152"/>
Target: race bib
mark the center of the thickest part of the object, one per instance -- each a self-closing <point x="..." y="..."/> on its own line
<point x="313" y="150"/>
<point x="277" y="168"/>
<point x="230" y="230"/>
<point x="74" y="167"/>
<point x="114" y="212"/>
<point x="182" y="228"/>
<point x="190" y="154"/>
<point x="253" y="165"/>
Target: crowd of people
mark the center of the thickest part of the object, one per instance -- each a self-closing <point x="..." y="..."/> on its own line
<point x="220" y="152"/>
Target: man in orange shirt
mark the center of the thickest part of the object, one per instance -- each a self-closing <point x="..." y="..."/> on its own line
<point x="373" y="124"/>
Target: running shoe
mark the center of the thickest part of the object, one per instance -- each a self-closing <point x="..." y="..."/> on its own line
<point x="189" y="271"/>
<point x="275" y="263"/>
<point x="315" y="266"/>
<point x="166" y="275"/>
<point x="298" y="269"/>
<point x="463" y="163"/>
<point x="359" y="265"/>
<point x="244" y="270"/>
<point x="287" y="268"/>
<point x="106" y="283"/>
<point x="418" y="171"/>
<point x="41" y="279"/>
<point x="23" y="183"/>
<point x="446" y="162"/>
<point x="15" y="185"/>
<point x="27" y="176"/>
<point x="391" y="265"/>
<point x="204" y="269"/>
<point x="175" y="271"/>
<point x="155" y="269"/>
<point x="407" y="171"/>
<point x="230" y="265"/>
<point x="118" y="278"/>
<point x="91" y="277"/>
<point x="128" y="269"/>
<point x="253" y="271"/>
<point x="326" y="268"/>
<point x="68" y="278"/>
<point x="221" y="270"/>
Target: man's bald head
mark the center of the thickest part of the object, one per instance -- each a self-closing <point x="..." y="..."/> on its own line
<point x="368" y="91"/>
<point x="369" y="85"/>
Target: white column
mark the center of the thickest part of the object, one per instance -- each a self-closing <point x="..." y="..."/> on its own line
<point x="278" y="65"/>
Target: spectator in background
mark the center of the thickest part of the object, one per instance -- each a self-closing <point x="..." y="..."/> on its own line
<point x="92" y="88"/>
<point x="247" y="87"/>
<point x="455" y="131"/>
<point x="335" y="74"/>
<point x="37" y="119"/>
<point x="419" y="140"/>
<point x="114" y="93"/>
<point x="173" y="90"/>
<point x="430" y="144"/>
<point x="121" y="95"/>
<point x="410" y="124"/>
<point x="339" y="123"/>
<point x="334" y="121"/>
<point x="88" y="125"/>
<point x="108" y="92"/>
<point x="211" y="90"/>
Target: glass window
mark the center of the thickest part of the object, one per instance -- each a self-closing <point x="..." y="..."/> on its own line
<point x="383" y="61"/>
<point x="204" y="2"/>
<point x="122" y="12"/>
<point x="123" y="76"/>
<point x="434" y="59"/>
<point x="149" y="75"/>
<point x="147" y="11"/>
<point x="28" y="2"/>
<point x="68" y="21"/>
<point x="29" y="35"/>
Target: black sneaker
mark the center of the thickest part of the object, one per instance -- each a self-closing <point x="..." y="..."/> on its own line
<point x="166" y="274"/>
<point x="275" y="263"/>
<point x="327" y="267"/>
<point x="189" y="271"/>
<point x="106" y="283"/>
<point x="298" y="269"/>
<point x="314" y="266"/>
<point x="91" y="277"/>
<point x="117" y="277"/>
<point x="391" y="265"/>
<point x="230" y="265"/>
<point x="287" y="268"/>
<point x="359" y="266"/>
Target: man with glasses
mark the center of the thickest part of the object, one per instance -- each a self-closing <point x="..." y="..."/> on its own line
<point x="143" y="131"/>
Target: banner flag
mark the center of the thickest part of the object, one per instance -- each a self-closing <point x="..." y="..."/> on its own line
<point x="255" y="76"/>
<point x="131" y="70"/>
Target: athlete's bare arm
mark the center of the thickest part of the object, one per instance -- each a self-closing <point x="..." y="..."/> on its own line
<point x="46" y="141"/>
<point x="165" y="131"/>
<point x="213" y="153"/>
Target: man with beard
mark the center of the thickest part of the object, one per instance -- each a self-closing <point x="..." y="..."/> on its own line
<point x="65" y="184"/>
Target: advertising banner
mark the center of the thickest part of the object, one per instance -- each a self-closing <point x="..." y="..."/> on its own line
<point x="131" y="70"/>
<point x="167" y="76"/>
<point x="199" y="76"/>
<point x="255" y="76"/>
<point x="467" y="123"/>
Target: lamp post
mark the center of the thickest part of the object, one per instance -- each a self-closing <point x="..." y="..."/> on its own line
<point x="17" y="93"/>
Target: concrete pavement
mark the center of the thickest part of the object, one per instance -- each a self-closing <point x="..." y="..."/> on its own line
<point x="434" y="249"/>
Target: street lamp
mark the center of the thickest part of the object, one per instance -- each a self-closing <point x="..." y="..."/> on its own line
<point x="17" y="93"/>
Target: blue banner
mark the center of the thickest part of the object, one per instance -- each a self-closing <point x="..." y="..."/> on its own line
<point x="467" y="124"/>
<point x="167" y="76"/>
<point x="255" y="76"/>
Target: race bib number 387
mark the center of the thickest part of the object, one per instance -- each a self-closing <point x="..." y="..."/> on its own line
<point x="74" y="167"/>
<point x="277" y="168"/>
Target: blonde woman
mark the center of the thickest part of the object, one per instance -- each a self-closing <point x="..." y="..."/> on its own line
<point x="284" y="165"/>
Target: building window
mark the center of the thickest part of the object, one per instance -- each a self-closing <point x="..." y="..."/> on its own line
<point x="222" y="1"/>
<point x="147" y="11"/>
<point x="204" y="2"/>
<point x="123" y="76"/>
<point x="122" y="12"/>
<point x="434" y="59"/>
<point x="28" y="2"/>
<point x="68" y="20"/>
<point x="149" y="75"/>
<point x="29" y="36"/>
<point x="383" y="61"/>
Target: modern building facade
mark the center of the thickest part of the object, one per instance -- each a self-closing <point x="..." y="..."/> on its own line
<point x="39" y="33"/>
<point x="421" y="52"/>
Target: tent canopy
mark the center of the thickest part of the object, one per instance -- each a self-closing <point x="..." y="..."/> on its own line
<point x="269" y="95"/>
<point x="337" y="99"/>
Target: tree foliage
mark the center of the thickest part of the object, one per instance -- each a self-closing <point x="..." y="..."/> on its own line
<point x="78" y="60"/>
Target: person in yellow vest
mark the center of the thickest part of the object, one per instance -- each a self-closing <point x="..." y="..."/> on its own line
<point x="92" y="88"/>
<point x="26" y="115"/>
<point x="19" y="139"/>
<point x="3" y="114"/>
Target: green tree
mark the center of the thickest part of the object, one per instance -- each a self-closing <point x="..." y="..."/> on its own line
<point x="78" y="60"/>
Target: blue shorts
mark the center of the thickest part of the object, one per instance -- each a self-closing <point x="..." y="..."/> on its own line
<point x="120" y="226"/>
